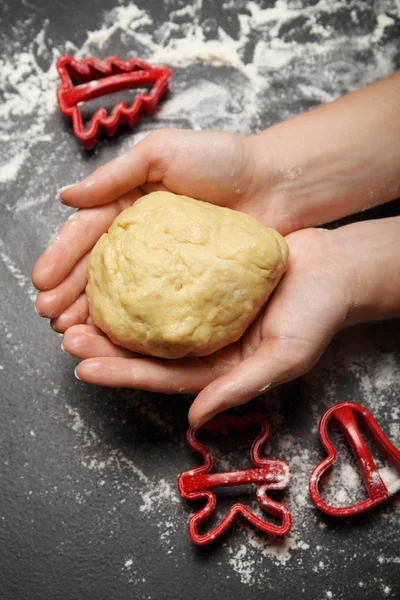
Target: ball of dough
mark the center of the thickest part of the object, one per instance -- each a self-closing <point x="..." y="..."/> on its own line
<point x="178" y="277"/>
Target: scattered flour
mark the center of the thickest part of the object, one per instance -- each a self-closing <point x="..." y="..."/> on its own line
<point x="156" y="495"/>
<point x="387" y="589"/>
<point x="114" y="457"/>
<point x="159" y="498"/>
<point x="23" y="280"/>
<point x="392" y="559"/>
<point x="257" y="53"/>
<point x="243" y="566"/>
<point x="237" y="77"/>
<point x="391" y="478"/>
<point x="9" y="170"/>
<point x="160" y="502"/>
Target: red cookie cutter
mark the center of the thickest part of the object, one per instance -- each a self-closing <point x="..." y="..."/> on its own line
<point x="96" y="78"/>
<point x="271" y="474"/>
<point x="346" y="415"/>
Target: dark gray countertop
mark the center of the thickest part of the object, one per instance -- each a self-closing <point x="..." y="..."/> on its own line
<point x="88" y="500"/>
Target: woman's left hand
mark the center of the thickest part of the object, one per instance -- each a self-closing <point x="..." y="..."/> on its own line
<point x="309" y="306"/>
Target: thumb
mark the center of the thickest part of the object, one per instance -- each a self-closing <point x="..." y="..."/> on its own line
<point x="274" y="363"/>
<point x="143" y="162"/>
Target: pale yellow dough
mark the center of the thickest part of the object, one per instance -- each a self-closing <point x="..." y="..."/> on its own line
<point x="177" y="277"/>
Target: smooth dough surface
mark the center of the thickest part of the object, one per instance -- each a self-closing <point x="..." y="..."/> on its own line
<point x="177" y="277"/>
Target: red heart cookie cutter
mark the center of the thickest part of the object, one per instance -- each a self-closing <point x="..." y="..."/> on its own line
<point x="95" y="78"/>
<point x="346" y="415"/>
<point x="271" y="474"/>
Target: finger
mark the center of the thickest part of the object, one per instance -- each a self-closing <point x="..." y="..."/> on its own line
<point x="77" y="236"/>
<point x="85" y="328"/>
<point x="184" y="376"/>
<point x="76" y="313"/>
<point x="91" y="345"/>
<point x="274" y="363"/>
<point x="52" y="303"/>
<point x="117" y="177"/>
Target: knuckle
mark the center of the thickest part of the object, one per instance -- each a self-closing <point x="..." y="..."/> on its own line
<point x="303" y="365"/>
<point x="159" y="148"/>
<point x="159" y="139"/>
<point x="302" y="355"/>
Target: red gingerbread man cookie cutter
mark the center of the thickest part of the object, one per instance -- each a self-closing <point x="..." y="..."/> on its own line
<point x="270" y="474"/>
<point x="89" y="78"/>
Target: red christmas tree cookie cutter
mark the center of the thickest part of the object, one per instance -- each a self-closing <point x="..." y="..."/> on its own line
<point x="271" y="474"/>
<point x="346" y="415"/>
<point x="90" y="78"/>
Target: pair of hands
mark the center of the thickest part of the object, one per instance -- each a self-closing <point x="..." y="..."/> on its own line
<point x="285" y="341"/>
<point x="304" y="172"/>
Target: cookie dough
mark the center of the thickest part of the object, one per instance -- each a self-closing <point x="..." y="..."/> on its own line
<point x="177" y="277"/>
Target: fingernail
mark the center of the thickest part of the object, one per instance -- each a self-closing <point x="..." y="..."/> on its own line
<point x="66" y="187"/>
<point x="197" y="424"/>
<point x="61" y="190"/>
<point x="76" y="374"/>
<point x="264" y="388"/>
<point x="62" y="346"/>
<point x="37" y="311"/>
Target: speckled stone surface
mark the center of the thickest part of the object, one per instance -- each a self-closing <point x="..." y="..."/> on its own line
<point x="88" y="500"/>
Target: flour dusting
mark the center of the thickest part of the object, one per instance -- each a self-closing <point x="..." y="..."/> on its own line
<point x="21" y="278"/>
<point x="266" y="43"/>
<point x="232" y="74"/>
<point x="9" y="170"/>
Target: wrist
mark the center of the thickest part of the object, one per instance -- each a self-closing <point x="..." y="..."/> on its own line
<point x="371" y="252"/>
<point x="311" y="181"/>
<point x="333" y="161"/>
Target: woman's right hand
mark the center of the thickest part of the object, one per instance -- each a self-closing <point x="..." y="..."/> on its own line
<point x="215" y="167"/>
<point x="320" y="166"/>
